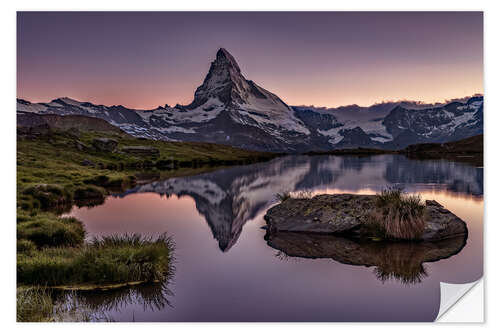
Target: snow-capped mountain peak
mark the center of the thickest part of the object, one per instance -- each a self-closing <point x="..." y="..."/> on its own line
<point x="248" y="103"/>
<point x="222" y="81"/>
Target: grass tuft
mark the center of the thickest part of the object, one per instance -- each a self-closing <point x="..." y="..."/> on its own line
<point x="302" y="194"/>
<point x="399" y="215"/>
<point x="89" y="192"/>
<point x="283" y="196"/>
<point x="25" y="246"/>
<point x="47" y="195"/>
<point x="33" y="304"/>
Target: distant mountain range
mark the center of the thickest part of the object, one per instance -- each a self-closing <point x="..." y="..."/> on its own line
<point x="229" y="109"/>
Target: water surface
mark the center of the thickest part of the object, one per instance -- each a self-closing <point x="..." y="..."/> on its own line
<point x="226" y="271"/>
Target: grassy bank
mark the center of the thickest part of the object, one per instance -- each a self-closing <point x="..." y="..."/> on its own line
<point x="36" y="230"/>
<point x="103" y="263"/>
<point x="51" y="252"/>
<point x="469" y="150"/>
<point x="60" y="168"/>
<point x="52" y="255"/>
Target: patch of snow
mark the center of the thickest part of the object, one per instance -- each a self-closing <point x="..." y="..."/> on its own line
<point x="463" y="119"/>
<point x="474" y="106"/>
<point x="269" y="111"/>
<point x="91" y="110"/>
<point x="70" y="101"/>
<point x="31" y="107"/>
<point x="55" y="104"/>
<point x="172" y="129"/>
<point x="371" y="126"/>
<point x="370" y="121"/>
<point x="380" y="139"/>
<point x="336" y="139"/>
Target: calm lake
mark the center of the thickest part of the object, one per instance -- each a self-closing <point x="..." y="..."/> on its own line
<point x="226" y="271"/>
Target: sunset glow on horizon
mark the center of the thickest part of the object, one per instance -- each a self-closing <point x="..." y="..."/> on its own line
<point x="146" y="59"/>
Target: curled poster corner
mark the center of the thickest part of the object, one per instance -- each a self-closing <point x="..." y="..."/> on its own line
<point x="451" y="294"/>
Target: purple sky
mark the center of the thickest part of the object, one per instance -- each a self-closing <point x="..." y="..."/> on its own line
<point x="146" y="59"/>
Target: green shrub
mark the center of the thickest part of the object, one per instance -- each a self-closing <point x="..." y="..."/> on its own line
<point x="46" y="229"/>
<point x="28" y="203"/>
<point x="86" y="192"/>
<point x="26" y="246"/>
<point x="100" y="180"/>
<point x="108" y="260"/>
<point x="117" y="183"/>
<point x="106" y="181"/>
<point x="22" y="216"/>
<point x="47" y="195"/>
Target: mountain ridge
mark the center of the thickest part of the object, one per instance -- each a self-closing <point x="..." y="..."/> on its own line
<point x="227" y="108"/>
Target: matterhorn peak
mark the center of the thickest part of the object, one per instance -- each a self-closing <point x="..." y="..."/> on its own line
<point x="224" y="57"/>
<point x="223" y="82"/>
<point x="226" y="89"/>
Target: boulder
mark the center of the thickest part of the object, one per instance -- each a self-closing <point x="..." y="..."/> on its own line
<point x="87" y="163"/>
<point x="346" y="214"/>
<point x="141" y="150"/>
<point x="441" y="223"/>
<point x="104" y="144"/>
<point x="81" y="146"/>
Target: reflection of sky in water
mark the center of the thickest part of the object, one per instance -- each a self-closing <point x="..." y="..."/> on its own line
<point x="248" y="281"/>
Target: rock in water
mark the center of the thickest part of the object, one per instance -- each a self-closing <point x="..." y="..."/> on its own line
<point x="346" y="213"/>
<point x="441" y="223"/>
<point x="323" y="213"/>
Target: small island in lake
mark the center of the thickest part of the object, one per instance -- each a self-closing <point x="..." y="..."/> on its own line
<point x="392" y="231"/>
<point x="391" y="215"/>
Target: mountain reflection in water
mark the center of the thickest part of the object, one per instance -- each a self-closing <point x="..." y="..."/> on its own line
<point x="241" y="276"/>
<point x="228" y="198"/>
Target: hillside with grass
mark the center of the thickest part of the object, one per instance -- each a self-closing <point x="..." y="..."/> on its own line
<point x="469" y="146"/>
<point x="59" y="167"/>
